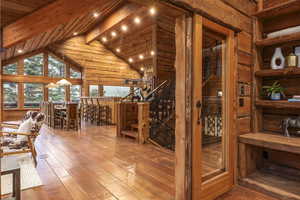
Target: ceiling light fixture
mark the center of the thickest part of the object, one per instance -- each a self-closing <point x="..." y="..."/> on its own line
<point x="130" y="60"/>
<point x="75" y="33"/>
<point x="141" y="56"/>
<point x="104" y="39"/>
<point x="113" y="33"/>
<point x="124" y="28"/>
<point x="142" y="68"/>
<point x="95" y="14"/>
<point x="152" y="11"/>
<point x="118" y="50"/>
<point x="152" y="53"/>
<point x="137" y="20"/>
<point x="20" y="51"/>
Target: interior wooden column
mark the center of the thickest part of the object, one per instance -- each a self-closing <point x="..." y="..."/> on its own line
<point x="183" y="108"/>
<point x="85" y="85"/>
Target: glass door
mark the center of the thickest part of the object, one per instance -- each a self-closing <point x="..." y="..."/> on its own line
<point x="213" y="111"/>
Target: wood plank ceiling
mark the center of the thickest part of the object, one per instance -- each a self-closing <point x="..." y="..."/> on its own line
<point x="135" y="43"/>
<point x="12" y="10"/>
<point x="79" y="25"/>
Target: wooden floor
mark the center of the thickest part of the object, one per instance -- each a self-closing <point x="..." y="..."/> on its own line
<point x="95" y="165"/>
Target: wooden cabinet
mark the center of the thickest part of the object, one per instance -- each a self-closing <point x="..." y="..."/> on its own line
<point x="133" y="120"/>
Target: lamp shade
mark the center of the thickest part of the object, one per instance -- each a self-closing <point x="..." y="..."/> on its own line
<point x="51" y="85"/>
<point x="63" y="82"/>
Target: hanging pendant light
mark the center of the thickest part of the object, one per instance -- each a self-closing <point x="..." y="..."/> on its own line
<point x="63" y="82"/>
<point x="51" y="85"/>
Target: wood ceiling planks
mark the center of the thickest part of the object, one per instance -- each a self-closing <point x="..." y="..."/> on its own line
<point x="12" y="10"/>
<point x="65" y="31"/>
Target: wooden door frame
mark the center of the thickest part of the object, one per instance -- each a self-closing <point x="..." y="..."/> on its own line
<point x="223" y="182"/>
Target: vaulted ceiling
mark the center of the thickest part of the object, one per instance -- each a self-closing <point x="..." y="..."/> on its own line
<point x="79" y="24"/>
<point x="12" y="10"/>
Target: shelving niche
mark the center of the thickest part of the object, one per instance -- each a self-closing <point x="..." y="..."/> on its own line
<point x="268" y="161"/>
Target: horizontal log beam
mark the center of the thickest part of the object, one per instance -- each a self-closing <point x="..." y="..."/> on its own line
<point x="37" y="79"/>
<point x="49" y="17"/>
<point x="113" y="20"/>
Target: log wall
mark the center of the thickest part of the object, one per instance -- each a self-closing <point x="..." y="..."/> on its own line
<point x="100" y="66"/>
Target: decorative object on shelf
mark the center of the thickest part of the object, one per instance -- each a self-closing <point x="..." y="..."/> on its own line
<point x="274" y="92"/>
<point x="297" y="53"/>
<point x="295" y="98"/>
<point x="290" y="123"/>
<point x="277" y="57"/>
<point x="291" y="60"/>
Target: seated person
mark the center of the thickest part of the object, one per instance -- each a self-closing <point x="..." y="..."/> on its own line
<point x="31" y="123"/>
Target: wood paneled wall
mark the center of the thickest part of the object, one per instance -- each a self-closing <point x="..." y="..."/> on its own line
<point x="165" y="47"/>
<point x="100" y="66"/>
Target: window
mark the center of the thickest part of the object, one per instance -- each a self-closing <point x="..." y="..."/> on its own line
<point x="75" y="93"/>
<point x="10" y="92"/>
<point x="116" y="91"/>
<point x="34" y="65"/>
<point x="10" y="69"/>
<point x="74" y="74"/>
<point x="57" y="95"/>
<point x="94" y="91"/>
<point x="33" y="95"/>
<point x="56" y="68"/>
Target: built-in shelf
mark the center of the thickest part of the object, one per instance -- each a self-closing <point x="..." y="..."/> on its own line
<point x="272" y="141"/>
<point x="274" y="181"/>
<point x="293" y="71"/>
<point x="277" y="104"/>
<point x="278" y="40"/>
<point x="284" y="8"/>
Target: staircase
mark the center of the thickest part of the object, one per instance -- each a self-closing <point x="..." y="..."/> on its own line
<point x="162" y="115"/>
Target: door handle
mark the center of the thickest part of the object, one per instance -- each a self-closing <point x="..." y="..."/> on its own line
<point x="199" y="110"/>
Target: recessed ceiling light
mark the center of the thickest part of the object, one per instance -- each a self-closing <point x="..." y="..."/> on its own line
<point x="142" y="68"/>
<point x="152" y="11"/>
<point x="137" y="20"/>
<point x="113" y="33"/>
<point x="75" y="33"/>
<point x="141" y="56"/>
<point x="124" y="28"/>
<point x="95" y="14"/>
<point x="20" y="51"/>
<point x="130" y="60"/>
<point x="104" y="39"/>
<point x="118" y="50"/>
<point x="152" y="53"/>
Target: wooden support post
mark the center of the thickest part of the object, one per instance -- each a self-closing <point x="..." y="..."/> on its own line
<point x="21" y="95"/>
<point x="46" y="73"/>
<point x="183" y="174"/>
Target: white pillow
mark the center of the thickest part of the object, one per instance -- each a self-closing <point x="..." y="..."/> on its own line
<point x="25" y="127"/>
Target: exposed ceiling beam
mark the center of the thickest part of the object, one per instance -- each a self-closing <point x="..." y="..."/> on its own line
<point x="49" y="17"/>
<point x="113" y="20"/>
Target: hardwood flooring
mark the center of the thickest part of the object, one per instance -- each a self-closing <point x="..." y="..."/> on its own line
<point x="92" y="164"/>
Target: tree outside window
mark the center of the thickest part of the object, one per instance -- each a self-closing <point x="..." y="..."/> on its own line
<point x="10" y="93"/>
<point x="57" y="95"/>
<point x="33" y="95"/>
<point x="94" y="91"/>
<point x="56" y="68"/>
<point x="75" y="74"/>
<point x="10" y="69"/>
<point x="34" y="65"/>
<point x="116" y="91"/>
<point x="75" y="93"/>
